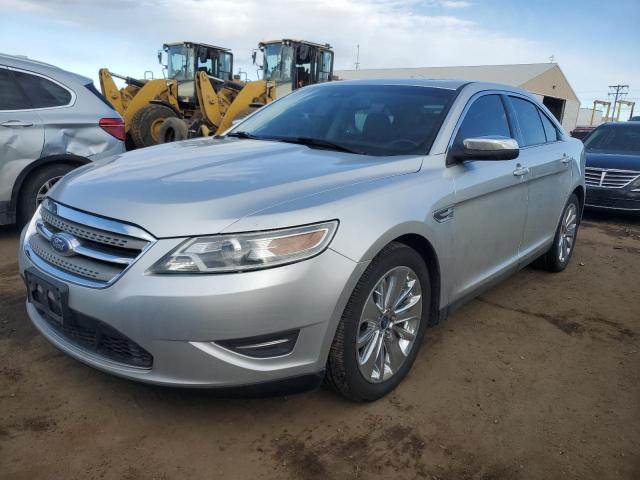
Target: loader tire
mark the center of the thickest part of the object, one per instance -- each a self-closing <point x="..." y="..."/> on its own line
<point x="146" y="124"/>
<point x="173" y="130"/>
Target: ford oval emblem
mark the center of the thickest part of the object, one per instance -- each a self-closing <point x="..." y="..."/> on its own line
<point x="63" y="243"/>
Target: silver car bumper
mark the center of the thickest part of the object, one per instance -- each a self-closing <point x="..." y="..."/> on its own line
<point x="179" y="318"/>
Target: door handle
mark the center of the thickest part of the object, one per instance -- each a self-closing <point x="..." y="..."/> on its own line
<point x="16" y="123"/>
<point x="520" y="171"/>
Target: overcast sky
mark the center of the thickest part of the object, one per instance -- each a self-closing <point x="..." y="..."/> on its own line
<point x="595" y="43"/>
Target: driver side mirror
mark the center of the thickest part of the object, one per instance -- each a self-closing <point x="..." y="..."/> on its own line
<point x="484" y="148"/>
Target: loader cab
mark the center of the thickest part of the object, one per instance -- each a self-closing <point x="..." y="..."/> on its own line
<point x="185" y="59"/>
<point x="292" y="64"/>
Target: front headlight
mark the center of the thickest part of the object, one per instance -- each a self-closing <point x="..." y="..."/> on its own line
<point x="239" y="252"/>
<point x="636" y="185"/>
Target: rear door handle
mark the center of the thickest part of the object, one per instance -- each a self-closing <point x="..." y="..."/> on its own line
<point x="16" y="123"/>
<point x="520" y="171"/>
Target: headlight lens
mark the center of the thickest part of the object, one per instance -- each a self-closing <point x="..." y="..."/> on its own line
<point x="247" y="251"/>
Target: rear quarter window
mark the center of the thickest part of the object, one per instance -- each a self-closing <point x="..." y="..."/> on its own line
<point x="42" y="93"/>
<point x="549" y="129"/>
<point x="529" y="120"/>
<point x="11" y="97"/>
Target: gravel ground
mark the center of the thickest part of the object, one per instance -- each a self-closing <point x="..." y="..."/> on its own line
<point x="537" y="378"/>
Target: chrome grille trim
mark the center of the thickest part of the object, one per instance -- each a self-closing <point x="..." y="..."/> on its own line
<point x="90" y="233"/>
<point x="103" y="249"/>
<point x="87" y="252"/>
<point x="609" y="177"/>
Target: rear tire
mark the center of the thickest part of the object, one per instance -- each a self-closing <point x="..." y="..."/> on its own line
<point x="36" y="186"/>
<point x="146" y="124"/>
<point x="173" y="130"/>
<point x="564" y="242"/>
<point x="347" y="365"/>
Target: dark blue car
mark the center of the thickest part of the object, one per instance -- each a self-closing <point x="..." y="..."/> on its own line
<point x="613" y="167"/>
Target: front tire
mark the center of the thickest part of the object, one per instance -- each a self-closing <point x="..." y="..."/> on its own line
<point x="381" y="329"/>
<point x="564" y="241"/>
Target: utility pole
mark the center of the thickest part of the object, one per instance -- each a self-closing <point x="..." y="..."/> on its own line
<point x="618" y="90"/>
<point x="358" y="57"/>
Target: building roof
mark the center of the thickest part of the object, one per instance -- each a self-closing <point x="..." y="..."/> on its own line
<point x="515" y="74"/>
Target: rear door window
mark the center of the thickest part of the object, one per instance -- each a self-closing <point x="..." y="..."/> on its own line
<point x="549" y="129"/>
<point x="11" y="96"/>
<point x="42" y="93"/>
<point x="486" y="117"/>
<point x="529" y="120"/>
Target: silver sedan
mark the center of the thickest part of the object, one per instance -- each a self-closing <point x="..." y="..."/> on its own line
<point x="318" y="239"/>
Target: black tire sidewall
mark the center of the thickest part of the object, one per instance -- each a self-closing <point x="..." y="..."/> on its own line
<point x="31" y="186"/>
<point x="402" y="256"/>
<point x="142" y="121"/>
<point x="179" y="127"/>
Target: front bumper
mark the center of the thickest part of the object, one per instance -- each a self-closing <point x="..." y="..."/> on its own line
<point x="622" y="199"/>
<point x="178" y="318"/>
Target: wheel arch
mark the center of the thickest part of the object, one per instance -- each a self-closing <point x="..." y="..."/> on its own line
<point x="428" y="253"/>
<point x="33" y="167"/>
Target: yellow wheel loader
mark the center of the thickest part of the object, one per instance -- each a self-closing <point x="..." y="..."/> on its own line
<point x="286" y="66"/>
<point x="146" y="104"/>
<point x="292" y="64"/>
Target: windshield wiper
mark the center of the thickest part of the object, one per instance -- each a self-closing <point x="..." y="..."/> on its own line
<point x="243" y="134"/>
<point x="318" y="143"/>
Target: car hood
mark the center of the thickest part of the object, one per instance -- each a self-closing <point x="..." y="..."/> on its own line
<point x="613" y="160"/>
<point x="201" y="186"/>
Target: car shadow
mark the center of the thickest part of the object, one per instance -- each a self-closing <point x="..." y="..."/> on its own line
<point x="613" y="216"/>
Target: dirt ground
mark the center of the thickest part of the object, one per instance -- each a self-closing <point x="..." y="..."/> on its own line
<point x="539" y="378"/>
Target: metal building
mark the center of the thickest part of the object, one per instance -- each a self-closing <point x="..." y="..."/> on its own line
<point x="545" y="80"/>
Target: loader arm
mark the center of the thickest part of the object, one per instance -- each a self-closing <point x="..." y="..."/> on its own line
<point x="208" y="100"/>
<point x="111" y="91"/>
<point x="253" y="95"/>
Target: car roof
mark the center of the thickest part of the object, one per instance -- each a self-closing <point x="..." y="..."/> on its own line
<point x="629" y="123"/>
<point x="452" y="84"/>
<point x="57" y="73"/>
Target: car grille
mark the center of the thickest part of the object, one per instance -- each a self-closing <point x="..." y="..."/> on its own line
<point x="98" y="337"/>
<point x="609" y="178"/>
<point x="102" y="249"/>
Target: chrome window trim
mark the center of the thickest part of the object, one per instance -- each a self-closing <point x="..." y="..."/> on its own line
<point x="554" y="120"/>
<point x="71" y="103"/>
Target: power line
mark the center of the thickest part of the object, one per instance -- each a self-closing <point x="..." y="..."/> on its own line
<point x="618" y="90"/>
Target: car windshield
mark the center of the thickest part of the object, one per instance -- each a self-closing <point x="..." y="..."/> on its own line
<point x="364" y="119"/>
<point x="623" y="139"/>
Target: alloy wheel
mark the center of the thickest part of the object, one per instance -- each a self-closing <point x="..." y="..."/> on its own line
<point x="44" y="189"/>
<point x="568" y="229"/>
<point x="389" y="324"/>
